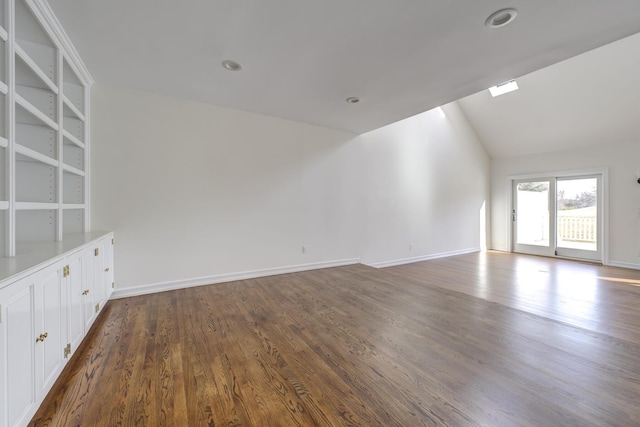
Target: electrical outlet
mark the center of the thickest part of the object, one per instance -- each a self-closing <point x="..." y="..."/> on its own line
<point x="304" y="249"/>
<point x="410" y="247"/>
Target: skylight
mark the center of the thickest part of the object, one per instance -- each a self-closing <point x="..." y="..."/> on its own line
<point x="503" y="88"/>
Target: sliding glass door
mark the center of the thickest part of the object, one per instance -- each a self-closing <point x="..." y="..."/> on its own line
<point x="577" y="217"/>
<point x="558" y="216"/>
<point x="531" y="216"/>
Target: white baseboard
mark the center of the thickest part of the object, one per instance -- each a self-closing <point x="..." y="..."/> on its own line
<point x="624" y="265"/>
<point x="422" y="258"/>
<point x="221" y="278"/>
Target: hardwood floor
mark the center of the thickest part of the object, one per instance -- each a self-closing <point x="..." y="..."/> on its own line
<point x="476" y="340"/>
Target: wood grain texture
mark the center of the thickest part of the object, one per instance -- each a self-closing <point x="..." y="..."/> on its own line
<point x="484" y="339"/>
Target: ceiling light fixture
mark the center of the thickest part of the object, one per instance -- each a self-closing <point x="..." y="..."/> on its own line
<point x="503" y="88"/>
<point x="501" y="18"/>
<point x="230" y="65"/>
<point x="352" y="100"/>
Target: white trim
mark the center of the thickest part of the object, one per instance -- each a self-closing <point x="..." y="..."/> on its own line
<point x="86" y="103"/>
<point x="422" y="258"/>
<point x="619" y="264"/>
<point x="221" y="278"/>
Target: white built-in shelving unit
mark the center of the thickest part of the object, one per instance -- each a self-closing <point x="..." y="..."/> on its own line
<point x="44" y="123"/>
<point x="55" y="274"/>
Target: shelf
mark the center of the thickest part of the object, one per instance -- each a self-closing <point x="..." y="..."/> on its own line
<point x="35" y="182"/>
<point x="35" y="112"/>
<point x="73" y="156"/>
<point x="36" y="68"/>
<point x="73" y="188"/>
<point x="32" y="154"/>
<point x="72" y="86"/>
<point x="33" y="206"/>
<point x="72" y="170"/>
<point x="68" y="104"/>
<point x="44" y="131"/>
<point x="72" y="206"/>
<point x="72" y="138"/>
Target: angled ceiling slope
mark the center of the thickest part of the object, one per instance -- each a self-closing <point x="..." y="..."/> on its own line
<point x="590" y="99"/>
<point x="302" y="59"/>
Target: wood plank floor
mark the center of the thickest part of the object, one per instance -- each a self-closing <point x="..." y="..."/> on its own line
<point x="484" y="339"/>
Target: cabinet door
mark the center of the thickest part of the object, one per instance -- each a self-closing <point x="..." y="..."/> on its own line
<point x="49" y="349"/>
<point x="108" y="267"/>
<point x="17" y="346"/>
<point x="99" y="274"/>
<point x="87" y="290"/>
<point x="75" y="301"/>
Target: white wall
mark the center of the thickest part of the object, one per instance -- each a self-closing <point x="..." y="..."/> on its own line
<point x="622" y="161"/>
<point x="427" y="185"/>
<point x="195" y="191"/>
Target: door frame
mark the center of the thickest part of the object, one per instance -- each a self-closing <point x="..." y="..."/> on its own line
<point x="603" y="221"/>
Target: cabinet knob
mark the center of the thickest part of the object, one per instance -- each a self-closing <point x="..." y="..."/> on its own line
<point x="106" y="270"/>
<point x="85" y="292"/>
<point x="42" y="337"/>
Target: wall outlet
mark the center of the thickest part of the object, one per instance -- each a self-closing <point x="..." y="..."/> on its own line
<point x="410" y="247"/>
<point x="304" y="249"/>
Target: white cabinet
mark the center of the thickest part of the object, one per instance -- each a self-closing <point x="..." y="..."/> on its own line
<point x="102" y="272"/>
<point x="17" y="344"/>
<point x="50" y="290"/>
<point x="45" y="312"/>
<point x="74" y="287"/>
<point x="48" y="328"/>
<point x="88" y="291"/>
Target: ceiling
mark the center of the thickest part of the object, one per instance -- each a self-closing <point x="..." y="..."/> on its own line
<point x="590" y="99"/>
<point x="302" y="58"/>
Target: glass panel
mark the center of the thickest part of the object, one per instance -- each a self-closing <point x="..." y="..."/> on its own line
<point x="532" y="225"/>
<point x="577" y="213"/>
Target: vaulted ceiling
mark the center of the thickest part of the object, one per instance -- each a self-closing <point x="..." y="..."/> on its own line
<point x="590" y="99"/>
<point x="301" y="59"/>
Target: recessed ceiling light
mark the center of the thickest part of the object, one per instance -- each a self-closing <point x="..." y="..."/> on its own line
<point x="503" y="88"/>
<point x="227" y="64"/>
<point x="352" y="100"/>
<point x="501" y="18"/>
